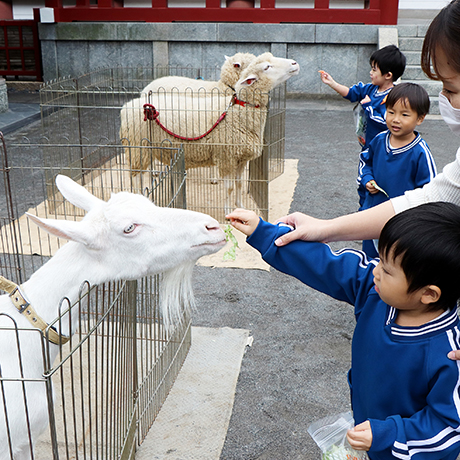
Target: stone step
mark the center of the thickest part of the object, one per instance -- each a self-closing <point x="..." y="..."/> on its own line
<point x="434" y="106"/>
<point x="410" y="44"/>
<point x="414" y="72"/>
<point x="432" y="87"/>
<point x="412" y="57"/>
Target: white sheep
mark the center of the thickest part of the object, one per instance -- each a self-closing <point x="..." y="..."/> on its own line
<point x="127" y="237"/>
<point x="229" y="74"/>
<point x="234" y="141"/>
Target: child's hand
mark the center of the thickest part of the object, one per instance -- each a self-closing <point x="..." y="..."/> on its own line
<point x="326" y="78"/>
<point x="365" y="100"/>
<point x="360" y="437"/>
<point x="243" y="220"/>
<point x="371" y="187"/>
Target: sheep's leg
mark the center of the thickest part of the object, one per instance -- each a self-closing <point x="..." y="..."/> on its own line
<point x="229" y="184"/>
<point x="238" y="185"/>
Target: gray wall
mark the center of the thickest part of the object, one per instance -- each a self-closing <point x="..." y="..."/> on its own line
<point x="73" y="49"/>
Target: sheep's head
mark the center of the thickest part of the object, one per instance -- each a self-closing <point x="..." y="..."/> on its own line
<point x="263" y="74"/>
<point x="233" y="67"/>
<point x="128" y="237"/>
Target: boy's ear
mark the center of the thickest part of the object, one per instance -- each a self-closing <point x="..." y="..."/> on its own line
<point x="388" y="76"/>
<point x="420" y="119"/>
<point x="430" y="294"/>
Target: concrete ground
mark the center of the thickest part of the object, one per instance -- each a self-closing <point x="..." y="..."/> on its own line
<point x="295" y="372"/>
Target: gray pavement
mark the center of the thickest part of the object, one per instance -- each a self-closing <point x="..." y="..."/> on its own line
<point x="295" y="372"/>
<point x="23" y="109"/>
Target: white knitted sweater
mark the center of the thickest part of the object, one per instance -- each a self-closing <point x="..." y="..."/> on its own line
<point x="444" y="187"/>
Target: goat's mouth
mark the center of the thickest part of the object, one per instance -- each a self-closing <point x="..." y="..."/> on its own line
<point x="211" y="244"/>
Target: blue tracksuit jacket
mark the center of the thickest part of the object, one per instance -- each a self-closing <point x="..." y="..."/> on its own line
<point x="395" y="170"/>
<point x="375" y="110"/>
<point x="400" y="378"/>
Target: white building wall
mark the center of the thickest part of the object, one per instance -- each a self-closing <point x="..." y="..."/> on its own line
<point x="422" y="4"/>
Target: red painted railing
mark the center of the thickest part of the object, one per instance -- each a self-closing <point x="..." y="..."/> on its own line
<point x="383" y="12"/>
<point x="20" y="49"/>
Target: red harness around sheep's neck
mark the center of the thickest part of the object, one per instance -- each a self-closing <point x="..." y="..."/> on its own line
<point x="151" y="113"/>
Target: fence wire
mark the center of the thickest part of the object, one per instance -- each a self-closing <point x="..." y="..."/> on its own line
<point x="107" y="384"/>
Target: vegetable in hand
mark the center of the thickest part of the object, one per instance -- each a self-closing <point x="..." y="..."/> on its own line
<point x="229" y="236"/>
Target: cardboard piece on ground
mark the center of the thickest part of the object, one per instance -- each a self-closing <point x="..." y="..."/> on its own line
<point x="193" y="422"/>
<point x="281" y="192"/>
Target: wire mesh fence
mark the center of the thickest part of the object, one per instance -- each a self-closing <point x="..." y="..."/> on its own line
<point x="225" y="168"/>
<point x="106" y="385"/>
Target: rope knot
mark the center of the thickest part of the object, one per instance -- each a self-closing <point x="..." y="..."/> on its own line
<point x="150" y="112"/>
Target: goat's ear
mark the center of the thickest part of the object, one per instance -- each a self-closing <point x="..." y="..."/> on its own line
<point x="67" y="229"/>
<point x="75" y="193"/>
<point x="226" y="57"/>
<point x="249" y="80"/>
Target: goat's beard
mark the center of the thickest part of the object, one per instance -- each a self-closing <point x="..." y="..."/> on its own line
<point x="176" y="294"/>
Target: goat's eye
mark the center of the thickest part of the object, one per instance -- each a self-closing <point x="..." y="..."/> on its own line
<point x="268" y="66"/>
<point x="130" y="228"/>
<point x="236" y="65"/>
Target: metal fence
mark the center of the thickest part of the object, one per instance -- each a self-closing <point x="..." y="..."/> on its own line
<point x="81" y="113"/>
<point x="109" y="381"/>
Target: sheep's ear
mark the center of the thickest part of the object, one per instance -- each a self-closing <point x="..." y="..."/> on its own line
<point x="67" y="229"/>
<point x="75" y="193"/>
<point x="249" y="80"/>
<point x="226" y="57"/>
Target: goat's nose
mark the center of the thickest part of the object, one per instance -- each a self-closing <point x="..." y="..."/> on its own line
<point x="214" y="228"/>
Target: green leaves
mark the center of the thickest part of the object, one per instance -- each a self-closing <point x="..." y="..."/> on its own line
<point x="231" y="253"/>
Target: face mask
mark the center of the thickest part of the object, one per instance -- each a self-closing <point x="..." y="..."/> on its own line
<point x="450" y="114"/>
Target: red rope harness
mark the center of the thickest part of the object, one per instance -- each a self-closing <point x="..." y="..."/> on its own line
<point x="151" y="113"/>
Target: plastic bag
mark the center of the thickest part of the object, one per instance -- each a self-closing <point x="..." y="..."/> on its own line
<point x="330" y="433"/>
<point x="360" y="123"/>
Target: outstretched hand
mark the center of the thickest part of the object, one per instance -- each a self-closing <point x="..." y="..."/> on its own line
<point x="243" y="220"/>
<point x="360" y="437"/>
<point x="306" y="228"/>
<point x="326" y="78"/>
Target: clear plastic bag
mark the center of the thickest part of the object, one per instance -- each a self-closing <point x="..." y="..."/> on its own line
<point x="330" y="433"/>
<point x="360" y="123"/>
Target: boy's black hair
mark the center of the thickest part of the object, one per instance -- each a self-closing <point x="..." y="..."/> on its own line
<point x="427" y="240"/>
<point x="412" y="94"/>
<point x="389" y="59"/>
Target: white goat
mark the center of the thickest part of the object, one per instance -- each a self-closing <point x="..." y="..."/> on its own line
<point x="229" y="74"/>
<point x="127" y="237"/>
<point x="237" y="139"/>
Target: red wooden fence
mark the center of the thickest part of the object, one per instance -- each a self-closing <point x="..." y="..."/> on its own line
<point x="20" y="49"/>
<point x="383" y="12"/>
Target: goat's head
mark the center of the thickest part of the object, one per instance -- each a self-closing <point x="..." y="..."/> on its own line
<point x="128" y="237"/>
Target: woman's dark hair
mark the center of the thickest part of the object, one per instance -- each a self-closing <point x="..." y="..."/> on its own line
<point x="389" y="59"/>
<point x="443" y="32"/>
<point x="427" y="240"/>
<point x="411" y="93"/>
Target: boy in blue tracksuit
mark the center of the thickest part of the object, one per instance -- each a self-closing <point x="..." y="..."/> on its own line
<point x="405" y="391"/>
<point x="398" y="159"/>
<point x="387" y="65"/>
